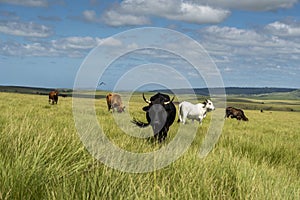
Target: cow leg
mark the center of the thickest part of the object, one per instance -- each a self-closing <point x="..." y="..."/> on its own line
<point x="162" y="136"/>
<point x="200" y="121"/>
<point x="113" y="108"/>
<point x="156" y="137"/>
<point x="165" y="133"/>
<point x="180" y="118"/>
<point x="55" y="99"/>
<point x="184" y="118"/>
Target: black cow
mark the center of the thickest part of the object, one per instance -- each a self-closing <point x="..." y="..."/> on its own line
<point x="235" y="113"/>
<point x="160" y="114"/>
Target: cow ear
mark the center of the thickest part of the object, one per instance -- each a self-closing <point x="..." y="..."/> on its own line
<point x="146" y="108"/>
<point x="204" y="104"/>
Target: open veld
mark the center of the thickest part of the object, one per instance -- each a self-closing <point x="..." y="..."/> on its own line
<point x="42" y="156"/>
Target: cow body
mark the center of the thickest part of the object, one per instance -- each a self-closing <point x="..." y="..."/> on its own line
<point x="114" y="102"/>
<point x="160" y="114"/>
<point x="235" y="113"/>
<point x="53" y="97"/>
<point x="197" y="111"/>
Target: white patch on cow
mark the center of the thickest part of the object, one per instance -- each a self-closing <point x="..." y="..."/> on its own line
<point x="191" y="111"/>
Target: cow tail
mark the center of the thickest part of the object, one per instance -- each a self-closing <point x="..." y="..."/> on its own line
<point x="140" y="123"/>
<point x="179" y="112"/>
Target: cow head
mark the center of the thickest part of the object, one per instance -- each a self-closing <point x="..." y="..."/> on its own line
<point x="157" y="111"/>
<point x="120" y="109"/>
<point x="208" y="105"/>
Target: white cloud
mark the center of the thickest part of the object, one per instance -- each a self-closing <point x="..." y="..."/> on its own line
<point x="115" y="18"/>
<point x="232" y="36"/>
<point x="90" y="16"/>
<point x="132" y="46"/>
<point x="198" y="14"/>
<point x="284" y="29"/>
<point x="253" y="5"/>
<point x="110" y="42"/>
<point x="75" y="43"/>
<point x="29" y="3"/>
<point x="244" y="41"/>
<point x="29" y="29"/>
<point x="69" y="46"/>
<point x="17" y="49"/>
<point x="133" y="12"/>
<point x="249" y="52"/>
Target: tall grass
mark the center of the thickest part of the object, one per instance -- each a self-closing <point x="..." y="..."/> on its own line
<point x="42" y="157"/>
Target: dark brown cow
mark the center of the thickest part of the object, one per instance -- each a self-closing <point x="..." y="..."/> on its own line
<point x="53" y="97"/>
<point x="235" y="113"/>
<point x="114" y="102"/>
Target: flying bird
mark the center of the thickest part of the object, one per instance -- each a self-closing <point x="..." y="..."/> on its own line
<point x="102" y="83"/>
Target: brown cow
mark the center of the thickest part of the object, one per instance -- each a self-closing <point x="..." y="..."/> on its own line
<point x="114" y="102"/>
<point x="235" y="113"/>
<point x="53" y="97"/>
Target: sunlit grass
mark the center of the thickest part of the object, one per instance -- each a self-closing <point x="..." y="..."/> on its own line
<point x="42" y="157"/>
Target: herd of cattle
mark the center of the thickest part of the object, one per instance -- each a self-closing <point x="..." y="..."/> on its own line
<point x="161" y="111"/>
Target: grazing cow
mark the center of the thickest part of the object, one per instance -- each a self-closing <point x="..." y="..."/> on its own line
<point x="53" y="97"/>
<point x="235" y="113"/>
<point x="197" y="111"/>
<point x="160" y="114"/>
<point x="114" y="102"/>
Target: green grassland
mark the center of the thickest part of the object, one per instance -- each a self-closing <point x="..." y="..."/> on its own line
<point x="42" y="157"/>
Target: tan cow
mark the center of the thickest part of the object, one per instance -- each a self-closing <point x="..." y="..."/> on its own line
<point x="53" y="97"/>
<point x="114" y="102"/>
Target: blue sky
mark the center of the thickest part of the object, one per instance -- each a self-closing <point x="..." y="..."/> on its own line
<point x="254" y="43"/>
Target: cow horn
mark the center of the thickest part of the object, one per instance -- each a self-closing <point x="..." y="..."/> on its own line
<point x="146" y="100"/>
<point x="169" y="101"/>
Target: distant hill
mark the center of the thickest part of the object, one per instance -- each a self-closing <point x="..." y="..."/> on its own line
<point x="229" y="91"/>
<point x="295" y="94"/>
<point x="263" y="93"/>
<point x="31" y="90"/>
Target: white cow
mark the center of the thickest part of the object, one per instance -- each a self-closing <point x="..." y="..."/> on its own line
<point x="194" y="111"/>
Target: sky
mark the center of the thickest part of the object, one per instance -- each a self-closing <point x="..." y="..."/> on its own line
<point x="249" y="43"/>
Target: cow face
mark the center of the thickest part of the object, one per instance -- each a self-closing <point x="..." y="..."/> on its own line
<point x="157" y="116"/>
<point x="208" y="105"/>
<point x="121" y="109"/>
<point x="157" y="112"/>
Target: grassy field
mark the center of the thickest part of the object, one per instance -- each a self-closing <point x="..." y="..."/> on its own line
<point x="42" y="157"/>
